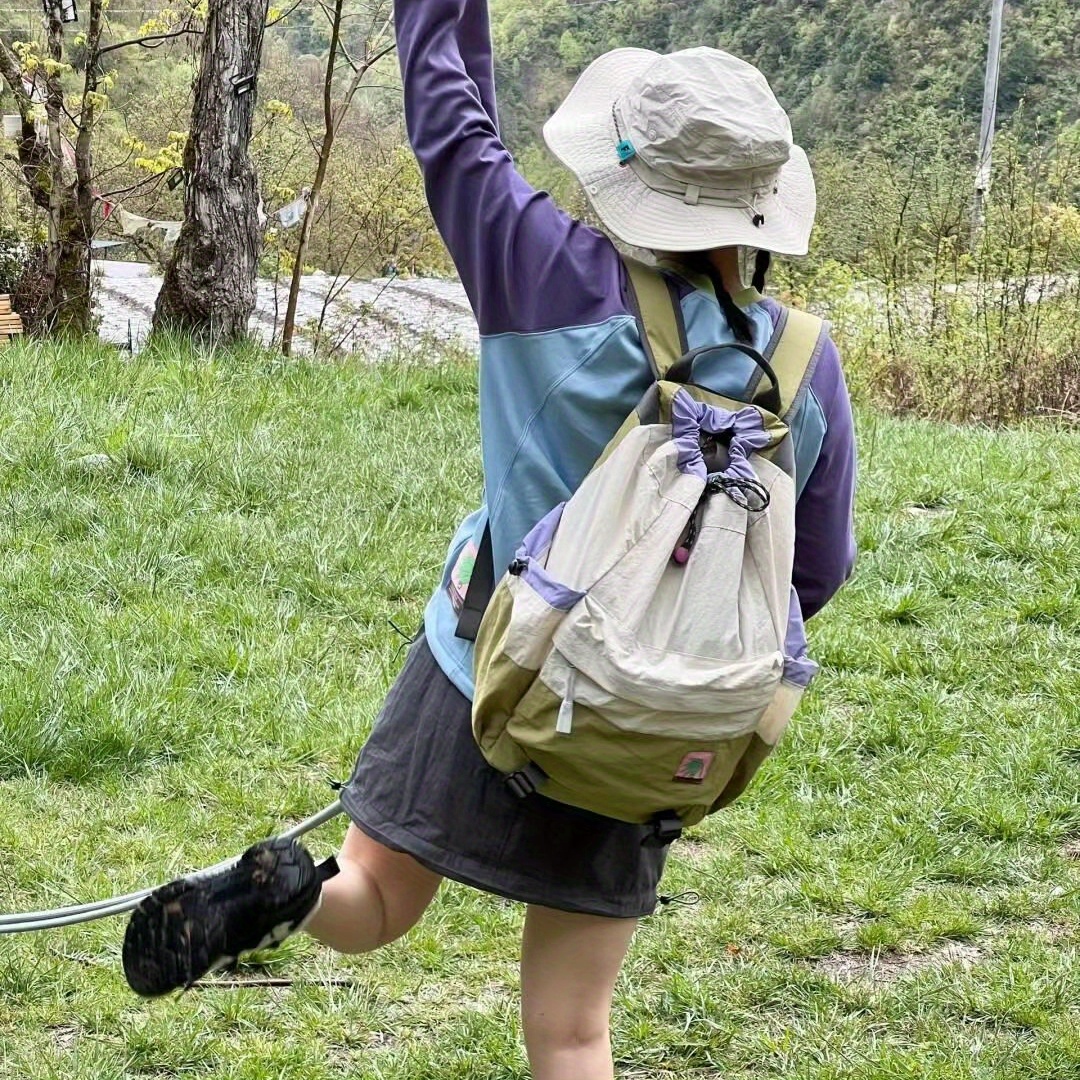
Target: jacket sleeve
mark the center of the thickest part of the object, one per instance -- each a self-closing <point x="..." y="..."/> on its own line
<point x="525" y="264"/>
<point x="824" y="526"/>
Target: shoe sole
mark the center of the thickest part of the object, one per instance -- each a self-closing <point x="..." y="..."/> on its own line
<point x="179" y="933"/>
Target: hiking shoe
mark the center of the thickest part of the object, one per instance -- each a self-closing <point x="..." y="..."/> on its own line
<point x="195" y="925"/>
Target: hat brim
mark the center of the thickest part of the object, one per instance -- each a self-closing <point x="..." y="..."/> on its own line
<point x="581" y="134"/>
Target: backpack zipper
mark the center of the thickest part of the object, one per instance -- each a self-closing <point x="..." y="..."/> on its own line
<point x="565" y="722"/>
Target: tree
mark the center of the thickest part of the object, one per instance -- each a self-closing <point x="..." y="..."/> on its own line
<point x="377" y="43"/>
<point x="209" y="286"/>
<point x="35" y="77"/>
<point x="32" y="77"/>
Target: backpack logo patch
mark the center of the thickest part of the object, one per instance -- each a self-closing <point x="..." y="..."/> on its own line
<point x="461" y="575"/>
<point x="694" y="767"/>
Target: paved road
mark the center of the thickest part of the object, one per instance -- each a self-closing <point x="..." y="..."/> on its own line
<point x="377" y="317"/>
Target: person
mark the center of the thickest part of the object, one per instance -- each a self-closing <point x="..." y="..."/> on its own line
<point x="713" y="172"/>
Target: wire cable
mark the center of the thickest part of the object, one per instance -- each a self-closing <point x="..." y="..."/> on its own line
<point x="25" y="922"/>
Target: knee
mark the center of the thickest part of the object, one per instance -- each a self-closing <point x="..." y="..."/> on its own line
<point x="565" y="1033"/>
<point x="382" y="913"/>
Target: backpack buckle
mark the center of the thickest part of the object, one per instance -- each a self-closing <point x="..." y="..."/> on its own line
<point x="664" y="828"/>
<point x="526" y="781"/>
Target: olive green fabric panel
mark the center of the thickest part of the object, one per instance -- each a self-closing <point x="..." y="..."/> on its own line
<point x="657" y="314"/>
<point x="502" y="687"/>
<point x="622" y="774"/>
<point x="757" y="750"/>
<point x="628" y="425"/>
<point x="793" y="353"/>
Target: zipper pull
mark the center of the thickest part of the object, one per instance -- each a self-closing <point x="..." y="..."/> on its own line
<point x="565" y="721"/>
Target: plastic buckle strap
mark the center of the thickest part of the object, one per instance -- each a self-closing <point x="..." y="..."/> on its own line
<point x="478" y="591"/>
<point x="526" y="781"/>
<point x="664" y="828"/>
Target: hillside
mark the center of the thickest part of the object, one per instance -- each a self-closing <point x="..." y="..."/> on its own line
<point x="842" y="68"/>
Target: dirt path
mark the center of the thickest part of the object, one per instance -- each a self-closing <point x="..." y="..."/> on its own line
<point x="377" y="317"/>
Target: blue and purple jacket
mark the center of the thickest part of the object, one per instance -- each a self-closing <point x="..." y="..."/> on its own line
<point x="561" y="360"/>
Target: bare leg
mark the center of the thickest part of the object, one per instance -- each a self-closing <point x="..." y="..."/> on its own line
<point x="378" y="896"/>
<point x="569" y="964"/>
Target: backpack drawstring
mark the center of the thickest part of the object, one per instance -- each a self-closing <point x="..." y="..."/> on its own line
<point x="739" y="490"/>
<point x="752" y="495"/>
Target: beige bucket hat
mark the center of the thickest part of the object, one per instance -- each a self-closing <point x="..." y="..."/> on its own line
<point x="685" y="152"/>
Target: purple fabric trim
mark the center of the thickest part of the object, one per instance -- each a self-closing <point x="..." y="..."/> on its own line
<point x="525" y="264"/>
<point x="798" y="667"/>
<point x="824" y="528"/>
<point x="799" y="670"/>
<point x="689" y="418"/>
<point x="554" y="593"/>
<point x="539" y="537"/>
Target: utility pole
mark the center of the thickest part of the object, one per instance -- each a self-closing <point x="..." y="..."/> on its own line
<point x="989" y="116"/>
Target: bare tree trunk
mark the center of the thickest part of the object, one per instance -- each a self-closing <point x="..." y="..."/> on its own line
<point x="209" y="287"/>
<point x="329" y="131"/>
<point x="377" y="45"/>
<point x="67" y="253"/>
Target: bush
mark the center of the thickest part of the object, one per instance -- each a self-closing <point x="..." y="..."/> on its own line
<point x="937" y="315"/>
<point x="23" y="276"/>
<point x="15" y="252"/>
<point x="31" y="292"/>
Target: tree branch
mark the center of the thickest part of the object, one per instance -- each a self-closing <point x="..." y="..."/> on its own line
<point x="359" y="71"/>
<point x="370" y="59"/>
<point x="33" y="154"/>
<point x="11" y="70"/>
<point x="88" y="114"/>
<point x="157" y="39"/>
<point x="153" y="179"/>
<point x="284" y="16"/>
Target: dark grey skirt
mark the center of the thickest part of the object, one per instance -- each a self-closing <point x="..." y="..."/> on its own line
<point x="421" y="786"/>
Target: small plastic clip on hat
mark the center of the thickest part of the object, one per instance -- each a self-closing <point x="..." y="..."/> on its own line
<point x="625" y="149"/>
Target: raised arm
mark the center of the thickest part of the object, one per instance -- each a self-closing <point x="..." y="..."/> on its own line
<point x="824" y="537"/>
<point x="526" y="266"/>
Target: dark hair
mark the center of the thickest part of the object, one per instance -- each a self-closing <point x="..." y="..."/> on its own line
<point x="762" y="262"/>
<point x="736" y="317"/>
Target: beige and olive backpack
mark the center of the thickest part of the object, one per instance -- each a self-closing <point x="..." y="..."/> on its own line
<point x="631" y="661"/>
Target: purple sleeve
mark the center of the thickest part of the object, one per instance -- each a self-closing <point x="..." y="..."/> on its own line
<point x="824" y="531"/>
<point x="526" y="266"/>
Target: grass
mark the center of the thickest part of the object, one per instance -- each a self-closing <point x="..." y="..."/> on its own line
<point x="199" y="558"/>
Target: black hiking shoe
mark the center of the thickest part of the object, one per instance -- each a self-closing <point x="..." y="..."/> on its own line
<point x="195" y="925"/>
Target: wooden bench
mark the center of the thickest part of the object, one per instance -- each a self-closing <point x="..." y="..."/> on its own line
<point x="10" y="323"/>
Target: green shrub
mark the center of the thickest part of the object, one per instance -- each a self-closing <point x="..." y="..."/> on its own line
<point x="939" y="314"/>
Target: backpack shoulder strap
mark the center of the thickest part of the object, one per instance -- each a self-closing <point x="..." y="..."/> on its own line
<point x="654" y="301"/>
<point x="478" y="591"/>
<point x="793" y="351"/>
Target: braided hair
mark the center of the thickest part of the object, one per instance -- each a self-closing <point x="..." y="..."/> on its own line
<point x="736" y="318"/>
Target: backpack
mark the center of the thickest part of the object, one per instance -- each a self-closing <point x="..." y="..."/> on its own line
<point x="631" y="660"/>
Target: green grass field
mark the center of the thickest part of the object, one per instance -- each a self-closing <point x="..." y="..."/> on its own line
<point x="200" y="555"/>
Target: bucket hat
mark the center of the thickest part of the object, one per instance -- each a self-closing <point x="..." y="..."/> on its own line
<point x="685" y="151"/>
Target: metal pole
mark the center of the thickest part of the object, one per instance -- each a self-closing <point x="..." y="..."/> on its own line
<point x="989" y="115"/>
